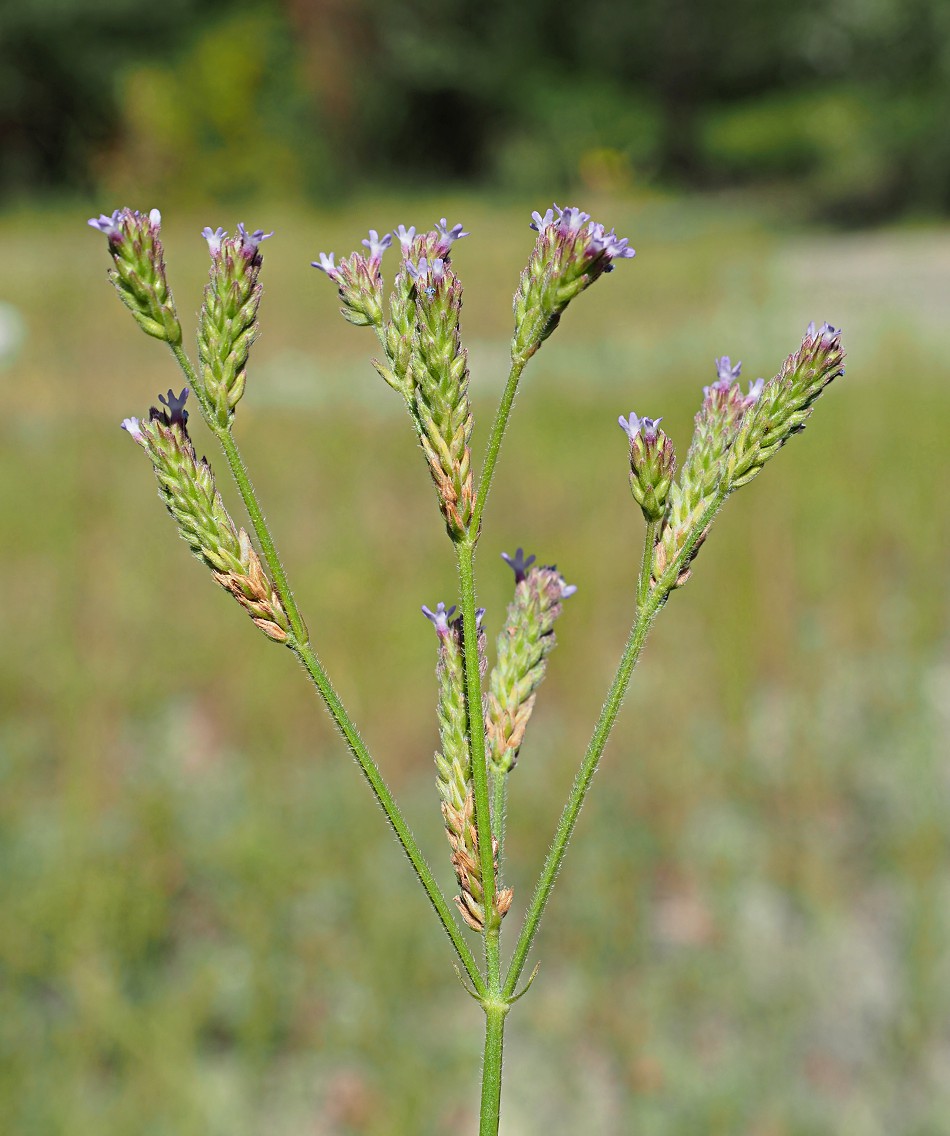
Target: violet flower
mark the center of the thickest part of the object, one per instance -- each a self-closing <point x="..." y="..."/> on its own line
<point x="440" y="617"/>
<point x="519" y="564"/>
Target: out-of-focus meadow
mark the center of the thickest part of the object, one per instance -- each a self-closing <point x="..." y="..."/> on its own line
<point x="205" y="925"/>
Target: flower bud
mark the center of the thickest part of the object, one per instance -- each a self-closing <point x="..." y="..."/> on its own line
<point x="139" y="273"/>
<point x="570" y="253"/>
<point x="782" y="406"/>
<point x="523" y="647"/>
<point x="652" y="464"/>
<point x="228" y="319"/>
<point x="186" y="485"/>
<point x="359" y="280"/>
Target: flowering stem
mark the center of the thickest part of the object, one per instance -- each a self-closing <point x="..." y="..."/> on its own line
<point x="646" y="565"/>
<point x="490" y="1111"/>
<point x="465" y="555"/>
<point x="498" y="428"/>
<point x="313" y="666"/>
<point x="647" y="609"/>
<point x="494" y="1005"/>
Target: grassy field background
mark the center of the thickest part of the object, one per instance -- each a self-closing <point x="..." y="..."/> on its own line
<point x="205" y="926"/>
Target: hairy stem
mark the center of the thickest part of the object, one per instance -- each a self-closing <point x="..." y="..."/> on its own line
<point x="490" y="1111"/>
<point x="495" y="438"/>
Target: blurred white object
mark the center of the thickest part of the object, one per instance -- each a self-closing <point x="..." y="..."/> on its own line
<point x="12" y="333"/>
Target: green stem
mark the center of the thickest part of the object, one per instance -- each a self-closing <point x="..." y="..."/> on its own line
<point x="582" y="783"/>
<point x="465" y="557"/>
<point x="494" y="443"/>
<point x="393" y="813"/>
<point x="650" y="602"/>
<point x="490" y="1111"/>
<point x="313" y="666"/>
<point x="646" y="564"/>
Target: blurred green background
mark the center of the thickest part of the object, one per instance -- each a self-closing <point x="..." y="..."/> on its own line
<point x="205" y="926"/>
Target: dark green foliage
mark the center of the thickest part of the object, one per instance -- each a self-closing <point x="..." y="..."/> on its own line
<point x="844" y="104"/>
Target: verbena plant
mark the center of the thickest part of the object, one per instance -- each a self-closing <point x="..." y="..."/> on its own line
<point x="482" y="720"/>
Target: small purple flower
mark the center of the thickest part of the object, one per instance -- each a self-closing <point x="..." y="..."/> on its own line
<point x="155" y="219"/>
<point x="519" y="564"/>
<point x="827" y="334"/>
<point x="134" y="429"/>
<point x="725" y="372"/>
<point x="423" y="272"/>
<point x="214" y="237"/>
<point x="449" y="235"/>
<point x="567" y="589"/>
<point x="176" y="413"/>
<point x="376" y="245"/>
<point x="325" y="264"/>
<point x="405" y="237"/>
<point x="440" y="617"/>
<point x="539" y="223"/>
<point x="608" y="243"/>
<point x="572" y="220"/>
<point x="755" y="393"/>
<point x="109" y="225"/>
<point x="250" y="242"/>
<point x="645" y="426"/>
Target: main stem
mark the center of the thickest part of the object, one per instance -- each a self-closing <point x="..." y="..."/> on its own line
<point x="494" y="1005"/>
<point x="490" y="1111"/>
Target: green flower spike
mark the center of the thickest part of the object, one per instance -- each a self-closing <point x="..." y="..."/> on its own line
<point x="523" y="647"/>
<point x="139" y="273"/>
<point x="186" y="485"/>
<point x="228" y="319"/>
<point x="454" y="770"/>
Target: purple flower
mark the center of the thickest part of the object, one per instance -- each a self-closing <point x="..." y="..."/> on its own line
<point x="134" y="429"/>
<point x="405" y="236"/>
<point x="567" y="589"/>
<point x="176" y="413"/>
<point x="539" y="223"/>
<point x="571" y="220"/>
<point x="608" y="243"/>
<point x="645" y="426"/>
<point x="109" y="225"/>
<point x="448" y="235"/>
<point x="440" y="617"/>
<point x="755" y="393"/>
<point x="423" y="271"/>
<point x="519" y="564"/>
<point x="828" y="335"/>
<point x="250" y="242"/>
<point x="214" y="237"/>
<point x="726" y="373"/>
<point x="325" y="264"/>
<point x="376" y="245"/>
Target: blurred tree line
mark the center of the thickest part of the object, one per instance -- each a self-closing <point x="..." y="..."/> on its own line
<point x="844" y="102"/>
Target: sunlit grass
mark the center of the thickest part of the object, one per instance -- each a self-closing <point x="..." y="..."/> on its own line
<point x="206" y="926"/>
